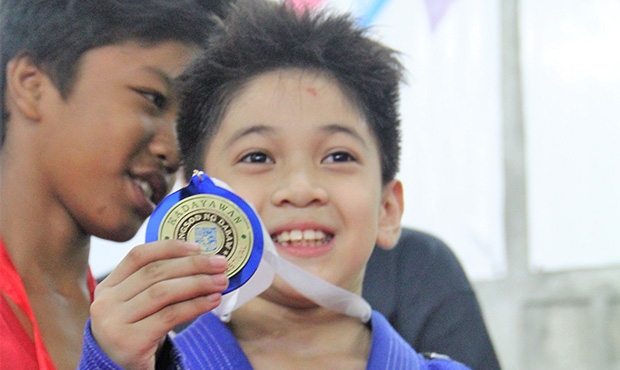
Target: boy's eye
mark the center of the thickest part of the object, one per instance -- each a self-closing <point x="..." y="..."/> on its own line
<point x="156" y="98"/>
<point x="339" y="157"/>
<point x="256" y="157"/>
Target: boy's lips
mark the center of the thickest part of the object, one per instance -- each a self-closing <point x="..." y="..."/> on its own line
<point x="149" y="189"/>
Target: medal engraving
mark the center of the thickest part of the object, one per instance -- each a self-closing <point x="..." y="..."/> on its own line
<point x="213" y="222"/>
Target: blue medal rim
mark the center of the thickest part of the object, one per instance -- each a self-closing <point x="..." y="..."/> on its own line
<point x="202" y="184"/>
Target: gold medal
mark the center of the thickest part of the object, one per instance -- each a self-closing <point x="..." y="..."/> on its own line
<point x="216" y="219"/>
<point x="218" y="225"/>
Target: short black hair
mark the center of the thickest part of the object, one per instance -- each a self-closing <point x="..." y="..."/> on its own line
<point x="258" y="36"/>
<point x="56" y="33"/>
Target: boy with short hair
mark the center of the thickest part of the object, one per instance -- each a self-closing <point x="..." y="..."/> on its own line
<point x="298" y="114"/>
<point x="88" y="147"/>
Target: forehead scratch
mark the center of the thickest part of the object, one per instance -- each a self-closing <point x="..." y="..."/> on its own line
<point x="311" y="91"/>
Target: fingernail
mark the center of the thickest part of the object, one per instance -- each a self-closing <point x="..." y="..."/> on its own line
<point x="214" y="297"/>
<point x="220" y="279"/>
<point x="218" y="260"/>
<point x="194" y="247"/>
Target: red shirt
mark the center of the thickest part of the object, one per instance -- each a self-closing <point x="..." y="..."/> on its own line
<point x="16" y="346"/>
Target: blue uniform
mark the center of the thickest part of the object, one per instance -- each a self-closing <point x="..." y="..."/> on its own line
<point x="208" y="344"/>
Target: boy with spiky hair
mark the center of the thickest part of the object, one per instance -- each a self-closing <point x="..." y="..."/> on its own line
<point x="298" y="113"/>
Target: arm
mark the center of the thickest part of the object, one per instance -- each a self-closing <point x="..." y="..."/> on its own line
<point x="429" y="300"/>
<point x="93" y="356"/>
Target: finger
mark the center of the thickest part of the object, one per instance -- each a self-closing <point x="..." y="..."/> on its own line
<point x="144" y="254"/>
<point x="163" y="321"/>
<point x="155" y="312"/>
<point x="167" y="293"/>
<point x="169" y="269"/>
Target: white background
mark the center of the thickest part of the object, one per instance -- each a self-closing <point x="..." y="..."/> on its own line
<point x="571" y="65"/>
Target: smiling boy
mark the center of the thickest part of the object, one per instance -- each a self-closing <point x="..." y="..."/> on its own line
<point x="298" y="114"/>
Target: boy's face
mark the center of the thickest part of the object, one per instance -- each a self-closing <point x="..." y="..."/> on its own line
<point x="292" y="144"/>
<point x="104" y="146"/>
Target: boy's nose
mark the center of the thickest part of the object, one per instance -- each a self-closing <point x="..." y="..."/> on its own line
<point x="300" y="188"/>
<point x="165" y="148"/>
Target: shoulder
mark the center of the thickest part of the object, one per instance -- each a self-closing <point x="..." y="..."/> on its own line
<point x="390" y="351"/>
<point x="428" y="248"/>
<point x="414" y="264"/>
<point x="425" y="254"/>
<point x="418" y="250"/>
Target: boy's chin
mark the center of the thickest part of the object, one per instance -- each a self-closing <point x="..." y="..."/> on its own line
<point x="119" y="234"/>
<point x="282" y="294"/>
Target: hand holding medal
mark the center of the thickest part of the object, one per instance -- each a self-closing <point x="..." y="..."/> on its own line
<point x="216" y="219"/>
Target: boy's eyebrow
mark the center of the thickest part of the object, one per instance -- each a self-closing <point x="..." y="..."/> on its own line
<point x="256" y="129"/>
<point x="329" y="129"/>
<point x="336" y="128"/>
<point x="168" y="81"/>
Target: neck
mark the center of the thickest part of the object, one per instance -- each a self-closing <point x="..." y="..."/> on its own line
<point x="270" y="334"/>
<point x="45" y="244"/>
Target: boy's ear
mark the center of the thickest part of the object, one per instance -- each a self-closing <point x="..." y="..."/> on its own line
<point x="391" y="213"/>
<point x="24" y="87"/>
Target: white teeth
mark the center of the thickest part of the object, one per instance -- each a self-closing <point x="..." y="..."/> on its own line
<point x="146" y="188"/>
<point x="298" y="236"/>
<point x="283" y="237"/>
<point x="309" y="234"/>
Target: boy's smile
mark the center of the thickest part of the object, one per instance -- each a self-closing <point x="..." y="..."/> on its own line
<point x="293" y="145"/>
<point x="120" y="119"/>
